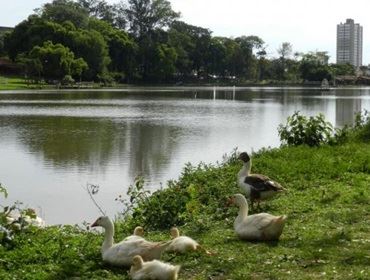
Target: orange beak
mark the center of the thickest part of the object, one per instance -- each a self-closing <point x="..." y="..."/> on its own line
<point x="230" y="201"/>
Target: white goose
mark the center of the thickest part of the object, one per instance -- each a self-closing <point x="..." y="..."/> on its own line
<point x="256" y="186"/>
<point x="262" y="226"/>
<point x="121" y="253"/>
<point x="24" y="219"/>
<point x="183" y="244"/>
<point x="153" y="270"/>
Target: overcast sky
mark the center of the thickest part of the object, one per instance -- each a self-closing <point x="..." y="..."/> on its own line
<point x="308" y="25"/>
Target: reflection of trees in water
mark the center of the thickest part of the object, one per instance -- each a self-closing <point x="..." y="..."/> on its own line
<point x="346" y="110"/>
<point x="151" y="146"/>
<point x="90" y="143"/>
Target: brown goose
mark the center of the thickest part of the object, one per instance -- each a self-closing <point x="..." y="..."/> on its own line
<point x="256" y="186"/>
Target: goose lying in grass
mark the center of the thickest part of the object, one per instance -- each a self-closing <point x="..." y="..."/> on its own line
<point x="24" y="219"/>
<point x="256" y="186"/>
<point x="183" y="244"/>
<point x="153" y="270"/>
<point x="121" y="253"/>
<point x="260" y="226"/>
<point x="137" y="235"/>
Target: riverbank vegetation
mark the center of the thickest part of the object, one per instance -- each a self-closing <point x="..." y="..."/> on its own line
<point x="326" y="236"/>
<point x="145" y="41"/>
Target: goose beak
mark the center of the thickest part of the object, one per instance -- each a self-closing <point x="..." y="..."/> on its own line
<point x="94" y="224"/>
<point x="230" y="201"/>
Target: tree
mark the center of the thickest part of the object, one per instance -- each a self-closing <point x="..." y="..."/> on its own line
<point x="144" y="16"/>
<point x="65" y="10"/>
<point x="313" y="67"/>
<point x="285" y="50"/>
<point x="56" y="61"/>
<point x="100" y="9"/>
<point x="122" y="48"/>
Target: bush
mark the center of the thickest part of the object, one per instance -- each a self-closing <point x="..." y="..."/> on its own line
<point x="362" y="125"/>
<point x="300" y="130"/>
<point x="198" y="196"/>
<point x="67" y="80"/>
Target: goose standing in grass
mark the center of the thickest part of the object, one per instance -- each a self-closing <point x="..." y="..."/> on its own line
<point x="153" y="270"/>
<point x="256" y="186"/>
<point x="262" y="226"/>
<point x="121" y="253"/>
<point x="183" y="244"/>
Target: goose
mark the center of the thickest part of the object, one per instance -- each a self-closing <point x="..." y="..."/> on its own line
<point x="137" y="235"/>
<point x="153" y="270"/>
<point x="257" y="227"/>
<point x="121" y="254"/>
<point x="24" y="219"/>
<point x="256" y="186"/>
<point x="183" y="244"/>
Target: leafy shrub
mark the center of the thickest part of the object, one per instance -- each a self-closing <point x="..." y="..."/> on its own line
<point x="197" y="196"/>
<point x="362" y="125"/>
<point x="301" y="130"/>
<point x="67" y="80"/>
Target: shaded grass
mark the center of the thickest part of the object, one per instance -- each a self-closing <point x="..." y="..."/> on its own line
<point x="327" y="235"/>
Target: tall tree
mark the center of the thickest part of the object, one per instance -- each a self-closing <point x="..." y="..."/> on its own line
<point x="144" y="16"/>
<point x="65" y="10"/>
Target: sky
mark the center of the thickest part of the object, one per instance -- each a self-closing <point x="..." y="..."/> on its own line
<point x="309" y="25"/>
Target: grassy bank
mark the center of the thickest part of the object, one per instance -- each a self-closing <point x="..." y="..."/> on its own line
<point x="13" y="83"/>
<point x="326" y="237"/>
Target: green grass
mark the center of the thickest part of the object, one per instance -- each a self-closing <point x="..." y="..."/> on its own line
<point x="16" y="83"/>
<point x="327" y="235"/>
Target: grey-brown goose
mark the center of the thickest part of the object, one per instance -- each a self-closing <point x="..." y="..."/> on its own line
<point x="255" y="186"/>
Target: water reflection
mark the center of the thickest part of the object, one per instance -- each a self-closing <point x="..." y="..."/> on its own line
<point x="52" y="143"/>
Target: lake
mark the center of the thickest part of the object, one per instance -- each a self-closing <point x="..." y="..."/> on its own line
<point x="52" y="143"/>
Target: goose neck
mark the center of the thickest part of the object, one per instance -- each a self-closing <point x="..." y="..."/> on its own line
<point x="246" y="169"/>
<point x="243" y="209"/>
<point x="108" y="237"/>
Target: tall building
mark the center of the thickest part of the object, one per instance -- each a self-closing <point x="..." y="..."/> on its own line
<point x="349" y="43"/>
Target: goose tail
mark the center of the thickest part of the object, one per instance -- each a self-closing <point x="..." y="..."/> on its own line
<point x="175" y="272"/>
<point x="281" y="219"/>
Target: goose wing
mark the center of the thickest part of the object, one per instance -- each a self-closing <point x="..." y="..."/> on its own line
<point x="261" y="220"/>
<point x="262" y="183"/>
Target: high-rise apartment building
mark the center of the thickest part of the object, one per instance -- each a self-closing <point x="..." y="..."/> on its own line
<point x="349" y="43"/>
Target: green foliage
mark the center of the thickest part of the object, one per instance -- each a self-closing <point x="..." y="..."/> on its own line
<point x="314" y="68"/>
<point x="362" y="126"/>
<point x="55" y="61"/>
<point x="60" y="11"/>
<point x="300" y="130"/>
<point x="145" y="16"/>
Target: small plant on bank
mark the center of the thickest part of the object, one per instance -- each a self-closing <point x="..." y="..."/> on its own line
<point x="302" y="130"/>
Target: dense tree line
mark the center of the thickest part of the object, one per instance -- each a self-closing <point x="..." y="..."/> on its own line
<point x="144" y="40"/>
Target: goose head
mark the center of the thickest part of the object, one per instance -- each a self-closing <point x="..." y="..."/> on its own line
<point x="139" y="231"/>
<point x="237" y="199"/>
<point x="137" y="262"/>
<point x="174" y="232"/>
<point x="244" y="157"/>
<point x="102" y="221"/>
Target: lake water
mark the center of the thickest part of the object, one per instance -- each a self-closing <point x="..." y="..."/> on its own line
<point x="52" y="143"/>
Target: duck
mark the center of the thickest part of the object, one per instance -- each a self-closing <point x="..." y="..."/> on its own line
<point x="121" y="254"/>
<point x="137" y="234"/>
<point x="257" y="227"/>
<point x="256" y="186"/>
<point x="153" y="270"/>
<point x="183" y="244"/>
